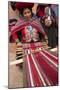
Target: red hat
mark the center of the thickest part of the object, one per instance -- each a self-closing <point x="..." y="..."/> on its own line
<point x="22" y="5"/>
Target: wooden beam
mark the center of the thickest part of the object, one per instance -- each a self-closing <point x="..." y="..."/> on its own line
<point x="16" y="62"/>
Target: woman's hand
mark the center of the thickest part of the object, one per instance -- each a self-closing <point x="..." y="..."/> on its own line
<point x="46" y="38"/>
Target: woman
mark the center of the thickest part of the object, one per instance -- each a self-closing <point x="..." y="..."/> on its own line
<point x="28" y="25"/>
<point x="49" y="24"/>
<point x="36" y="61"/>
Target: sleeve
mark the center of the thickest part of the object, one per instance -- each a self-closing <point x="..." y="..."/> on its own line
<point x="17" y="25"/>
<point x="15" y="36"/>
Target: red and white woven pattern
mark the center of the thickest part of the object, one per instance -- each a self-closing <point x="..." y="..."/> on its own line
<point x="41" y="66"/>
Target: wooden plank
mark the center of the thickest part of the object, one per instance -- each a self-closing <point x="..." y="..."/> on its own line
<point x="19" y="50"/>
<point x="19" y="53"/>
<point x="16" y="62"/>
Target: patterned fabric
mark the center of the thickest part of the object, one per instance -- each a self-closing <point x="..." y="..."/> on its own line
<point x="28" y="28"/>
<point x="41" y="67"/>
<point x="31" y="34"/>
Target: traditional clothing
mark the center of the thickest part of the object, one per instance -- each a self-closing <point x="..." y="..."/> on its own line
<point x="40" y="65"/>
<point x="29" y="29"/>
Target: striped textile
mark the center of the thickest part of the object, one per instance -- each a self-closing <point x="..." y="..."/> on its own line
<point x="41" y="67"/>
<point x="27" y="34"/>
<point x="21" y="23"/>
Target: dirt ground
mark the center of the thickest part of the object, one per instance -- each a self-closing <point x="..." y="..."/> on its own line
<point x="15" y="73"/>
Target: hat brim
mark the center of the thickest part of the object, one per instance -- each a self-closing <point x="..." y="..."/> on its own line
<point x="22" y="5"/>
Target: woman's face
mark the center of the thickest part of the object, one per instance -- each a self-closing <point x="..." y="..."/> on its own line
<point x="48" y="22"/>
<point x="27" y="13"/>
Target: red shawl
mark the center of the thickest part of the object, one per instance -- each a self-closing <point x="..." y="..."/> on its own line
<point x="22" y="23"/>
